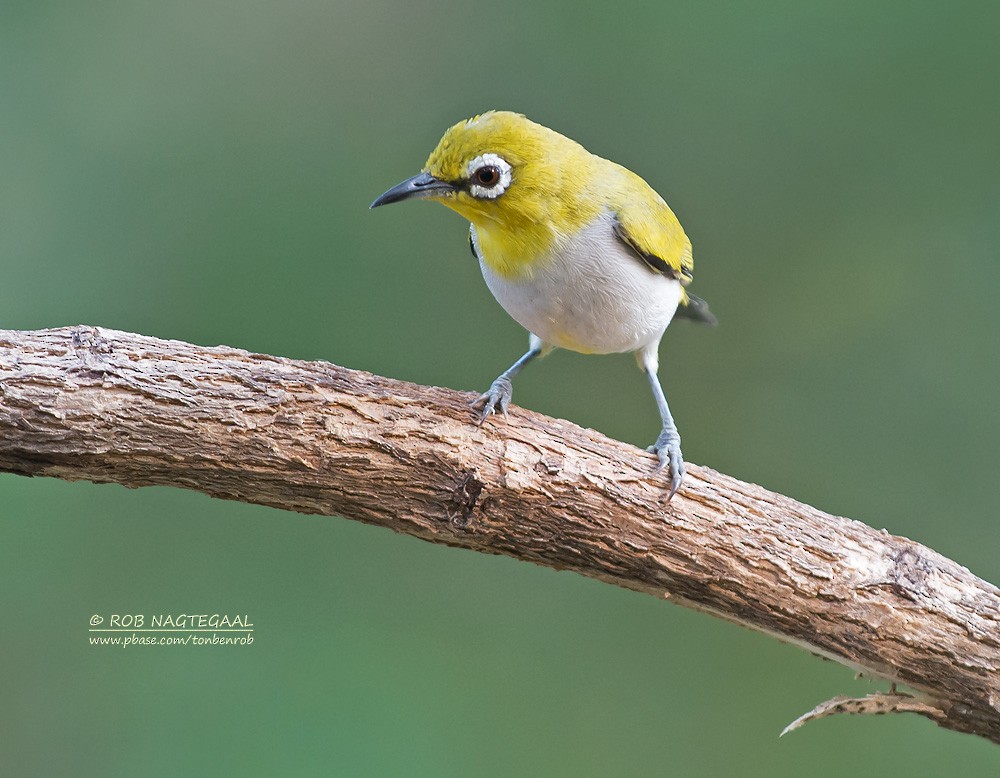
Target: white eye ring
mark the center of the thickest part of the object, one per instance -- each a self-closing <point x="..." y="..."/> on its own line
<point x="488" y="192"/>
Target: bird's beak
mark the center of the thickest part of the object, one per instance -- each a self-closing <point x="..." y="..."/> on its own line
<point x="421" y="185"/>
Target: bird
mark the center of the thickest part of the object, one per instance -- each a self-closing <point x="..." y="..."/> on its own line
<point x="580" y="251"/>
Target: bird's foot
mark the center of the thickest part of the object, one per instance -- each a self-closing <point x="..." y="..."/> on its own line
<point x="668" y="448"/>
<point x="496" y="399"/>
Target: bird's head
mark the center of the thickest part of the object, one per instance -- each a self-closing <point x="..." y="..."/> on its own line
<point x="501" y="169"/>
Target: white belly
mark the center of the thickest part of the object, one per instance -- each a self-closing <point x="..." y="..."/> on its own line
<point x="591" y="295"/>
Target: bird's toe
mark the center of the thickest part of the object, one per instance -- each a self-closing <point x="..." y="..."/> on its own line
<point x="496" y="399"/>
<point x="668" y="450"/>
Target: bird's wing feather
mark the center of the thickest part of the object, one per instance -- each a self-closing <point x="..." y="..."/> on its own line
<point x="657" y="239"/>
<point x="651" y="230"/>
<point x="472" y="243"/>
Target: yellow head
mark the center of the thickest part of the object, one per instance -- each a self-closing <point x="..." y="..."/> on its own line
<point x="521" y="184"/>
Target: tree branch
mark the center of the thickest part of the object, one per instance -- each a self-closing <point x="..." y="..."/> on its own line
<point x="107" y="406"/>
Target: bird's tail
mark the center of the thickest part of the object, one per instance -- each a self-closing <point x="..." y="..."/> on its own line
<point x="695" y="309"/>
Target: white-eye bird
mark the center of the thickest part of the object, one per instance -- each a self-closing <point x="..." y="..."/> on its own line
<point x="580" y="251"/>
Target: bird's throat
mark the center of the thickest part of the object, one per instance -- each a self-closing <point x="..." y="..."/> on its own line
<point x="514" y="251"/>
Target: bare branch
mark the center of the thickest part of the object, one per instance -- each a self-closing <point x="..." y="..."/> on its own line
<point x="107" y="406"/>
<point x="870" y="705"/>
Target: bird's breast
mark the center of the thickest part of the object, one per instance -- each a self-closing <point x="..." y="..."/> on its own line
<point x="588" y="292"/>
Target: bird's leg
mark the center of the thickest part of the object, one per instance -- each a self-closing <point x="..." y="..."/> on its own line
<point x="668" y="445"/>
<point x="501" y="390"/>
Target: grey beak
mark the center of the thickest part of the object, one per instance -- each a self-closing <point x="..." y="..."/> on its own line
<point x="421" y="185"/>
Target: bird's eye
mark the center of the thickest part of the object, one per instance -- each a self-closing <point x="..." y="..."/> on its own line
<point x="487" y="176"/>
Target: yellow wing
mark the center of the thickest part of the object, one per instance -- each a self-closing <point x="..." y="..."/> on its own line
<point x="652" y="231"/>
<point x="647" y="226"/>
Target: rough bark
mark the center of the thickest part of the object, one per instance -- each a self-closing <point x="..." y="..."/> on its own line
<point x="107" y="406"/>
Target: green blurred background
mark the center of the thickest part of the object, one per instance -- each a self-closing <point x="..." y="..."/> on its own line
<point x="202" y="170"/>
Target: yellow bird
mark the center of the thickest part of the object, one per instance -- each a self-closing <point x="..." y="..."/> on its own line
<point x="580" y="251"/>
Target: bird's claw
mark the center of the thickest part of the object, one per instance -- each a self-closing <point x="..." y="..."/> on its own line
<point x="497" y="398"/>
<point x="668" y="449"/>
